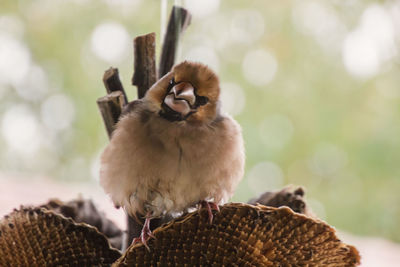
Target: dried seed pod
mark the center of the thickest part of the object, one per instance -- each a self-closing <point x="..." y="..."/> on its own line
<point x="243" y="235"/>
<point x="290" y="196"/>
<point x="38" y="237"/>
<point x="85" y="211"/>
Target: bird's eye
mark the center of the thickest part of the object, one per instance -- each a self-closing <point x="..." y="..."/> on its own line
<point x="171" y="84"/>
<point x="202" y="100"/>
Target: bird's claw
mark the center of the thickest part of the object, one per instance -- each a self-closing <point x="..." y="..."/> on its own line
<point x="145" y="235"/>
<point x="210" y="206"/>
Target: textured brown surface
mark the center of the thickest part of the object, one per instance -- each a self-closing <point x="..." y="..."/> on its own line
<point x="85" y="211"/>
<point x="38" y="237"/>
<point x="290" y="196"/>
<point x="243" y="235"/>
<point x="144" y="50"/>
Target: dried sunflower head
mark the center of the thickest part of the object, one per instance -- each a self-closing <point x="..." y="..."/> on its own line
<point x="243" y="235"/>
<point x="38" y="237"/>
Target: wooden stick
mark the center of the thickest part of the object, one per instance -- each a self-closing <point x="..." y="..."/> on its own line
<point x="179" y="20"/>
<point x="144" y="48"/>
<point x="110" y="107"/>
<point x="112" y="82"/>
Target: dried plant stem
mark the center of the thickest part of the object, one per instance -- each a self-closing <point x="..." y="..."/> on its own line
<point x="179" y="20"/>
<point x="110" y="107"/>
<point x="144" y="76"/>
<point x="112" y="82"/>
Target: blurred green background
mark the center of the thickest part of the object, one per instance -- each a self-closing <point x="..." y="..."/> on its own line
<point x="314" y="84"/>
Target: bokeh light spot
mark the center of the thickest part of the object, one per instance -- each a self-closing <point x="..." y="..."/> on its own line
<point x="110" y="42"/>
<point x="247" y="26"/>
<point x="359" y="55"/>
<point x="233" y="98"/>
<point x="15" y="60"/>
<point x="371" y="44"/>
<point x="202" y="8"/>
<point x="58" y="112"/>
<point x="320" y="21"/>
<point x="265" y="176"/>
<point x="20" y="129"/>
<point x="35" y="85"/>
<point x="259" y="67"/>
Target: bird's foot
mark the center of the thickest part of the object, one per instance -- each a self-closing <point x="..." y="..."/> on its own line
<point x="210" y="206"/>
<point x="145" y="235"/>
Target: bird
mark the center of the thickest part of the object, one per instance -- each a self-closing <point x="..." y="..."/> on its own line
<point x="174" y="149"/>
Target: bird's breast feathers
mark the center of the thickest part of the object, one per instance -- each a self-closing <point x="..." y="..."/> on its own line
<point x="172" y="148"/>
<point x="153" y="164"/>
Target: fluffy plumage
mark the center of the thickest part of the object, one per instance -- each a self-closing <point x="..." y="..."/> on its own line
<point x="161" y="161"/>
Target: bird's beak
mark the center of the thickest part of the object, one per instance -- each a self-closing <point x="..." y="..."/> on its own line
<point x="184" y="90"/>
<point x="181" y="98"/>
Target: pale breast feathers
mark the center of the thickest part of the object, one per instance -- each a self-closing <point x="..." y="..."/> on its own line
<point x="174" y="147"/>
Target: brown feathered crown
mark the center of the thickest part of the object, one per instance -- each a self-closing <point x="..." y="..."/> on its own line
<point x="205" y="83"/>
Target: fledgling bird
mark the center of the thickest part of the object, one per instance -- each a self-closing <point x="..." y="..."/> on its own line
<point x="174" y="148"/>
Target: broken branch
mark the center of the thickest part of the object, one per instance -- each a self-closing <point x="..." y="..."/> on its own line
<point x="112" y="82"/>
<point x="144" y="76"/>
<point x="179" y="20"/>
<point x="110" y="107"/>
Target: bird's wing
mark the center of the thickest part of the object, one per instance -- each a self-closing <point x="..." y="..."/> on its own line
<point x="131" y="106"/>
<point x="160" y="86"/>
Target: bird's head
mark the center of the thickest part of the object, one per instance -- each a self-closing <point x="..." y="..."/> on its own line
<point x="190" y="93"/>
